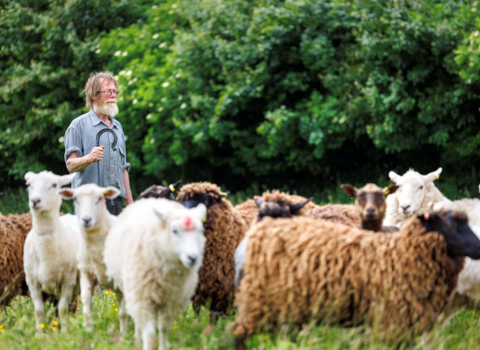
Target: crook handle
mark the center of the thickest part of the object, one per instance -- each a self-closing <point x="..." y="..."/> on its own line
<point x="115" y="138"/>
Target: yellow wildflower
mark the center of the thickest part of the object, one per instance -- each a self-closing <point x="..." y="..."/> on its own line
<point x="54" y="329"/>
<point x="116" y="309"/>
<point x="113" y="304"/>
<point x="55" y="323"/>
<point x="309" y="342"/>
<point x="265" y="337"/>
<point x="42" y="326"/>
<point x="1" y="327"/>
<point x="175" y="327"/>
<point x="114" y="294"/>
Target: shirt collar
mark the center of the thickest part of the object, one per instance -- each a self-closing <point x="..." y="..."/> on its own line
<point x="96" y="120"/>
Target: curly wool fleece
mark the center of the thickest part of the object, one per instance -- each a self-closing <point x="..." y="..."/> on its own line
<point x="300" y="269"/>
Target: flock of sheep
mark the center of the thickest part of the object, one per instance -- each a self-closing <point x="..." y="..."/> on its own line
<point x="393" y="261"/>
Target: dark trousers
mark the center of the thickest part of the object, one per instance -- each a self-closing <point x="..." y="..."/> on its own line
<point x="114" y="208"/>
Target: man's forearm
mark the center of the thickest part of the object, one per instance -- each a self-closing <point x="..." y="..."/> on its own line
<point x="126" y="183"/>
<point x="76" y="163"/>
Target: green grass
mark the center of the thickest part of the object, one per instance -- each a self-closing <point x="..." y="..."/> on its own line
<point x="461" y="330"/>
<point x="17" y="331"/>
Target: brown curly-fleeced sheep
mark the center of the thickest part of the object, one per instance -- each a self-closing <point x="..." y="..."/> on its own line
<point x="248" y="210"/>
<point x="300" y="269"/>
<point x="224" y="229"/>
<point x="345" y="214"/>
<point x="13" y="231"/>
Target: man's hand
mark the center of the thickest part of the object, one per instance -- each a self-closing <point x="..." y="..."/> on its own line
<point x="96" y="154"/>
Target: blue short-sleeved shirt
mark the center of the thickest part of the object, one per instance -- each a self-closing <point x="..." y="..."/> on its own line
<point x="81" y="137"/>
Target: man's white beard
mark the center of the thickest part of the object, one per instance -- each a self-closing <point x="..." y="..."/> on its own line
<point x="110" y="110"/>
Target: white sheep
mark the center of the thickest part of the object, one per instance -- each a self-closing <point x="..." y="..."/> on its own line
<point x="95" y="222"/>
<point x="471" y="207"/>
<point x="153" y="253"/>
<point x="412" y="197"/>
<point x="50" y="252"/>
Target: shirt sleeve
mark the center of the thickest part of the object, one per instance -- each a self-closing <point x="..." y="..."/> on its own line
<point x="126" y="165"/>
<point x="73" y="142"/>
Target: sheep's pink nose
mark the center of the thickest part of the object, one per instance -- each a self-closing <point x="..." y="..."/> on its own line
<point x="35" y="202"/>
<point x="405" y="207"/>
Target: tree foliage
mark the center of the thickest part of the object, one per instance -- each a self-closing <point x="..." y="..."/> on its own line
<point x="290" y="93"/>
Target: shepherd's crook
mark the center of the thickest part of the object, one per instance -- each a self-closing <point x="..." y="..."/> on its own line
<point x="98" y="145"/>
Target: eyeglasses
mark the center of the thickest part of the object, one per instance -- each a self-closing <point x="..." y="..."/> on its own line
<point x="109" y="92"/>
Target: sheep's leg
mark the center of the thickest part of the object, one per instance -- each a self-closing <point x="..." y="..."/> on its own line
<point x="86" y="287"/>
<point x="145" y="324"/>
<point x="37" y="298"/>
<point x="122" y="313"/>
<point x="163" y="329"/>
<point x="65" y="299"/>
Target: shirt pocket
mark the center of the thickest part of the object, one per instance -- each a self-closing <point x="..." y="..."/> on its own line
<point x="122" y="158"/>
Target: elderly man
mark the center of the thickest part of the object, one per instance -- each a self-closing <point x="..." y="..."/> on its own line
<point x="81" y="152"/>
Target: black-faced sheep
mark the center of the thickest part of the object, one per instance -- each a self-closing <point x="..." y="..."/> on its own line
<point x="300" y="269"/>
<point x="160" y="191"/>
<point x="224" y="229"/>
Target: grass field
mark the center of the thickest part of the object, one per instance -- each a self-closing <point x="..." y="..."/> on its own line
<point x="460" y="330"/>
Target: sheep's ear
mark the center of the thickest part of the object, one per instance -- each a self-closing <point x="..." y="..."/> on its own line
<point x="350" y="190"/>
<point x="394" y="177"/>
<point x="202" y="210"/>
<point x="111" y="192"/>
<point x="258" y="201"/>
<point x="390" y="189"/>
<point x="176" y="185"/>
<point x="432" y="176"/>
<point x="29" y="175"/>
<point x="223" y="194"/>
<point x="296" y="207"/>
<point x="66" y="193"/>
<point x="161" y="216"/>
<point x="65" y="179"/>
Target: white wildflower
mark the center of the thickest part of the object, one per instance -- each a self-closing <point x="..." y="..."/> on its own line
<point x="125" y="53"/>
<point x="165" y="84"/>
<point x="61" y="139"/>
<point x="180" y="97"/>
<point x="154" y="7"/>
<point x="135" y="102"/>
<point x="152" y="141"/>
<point x="149" y="116"/>
<point x="117" y="53"/>
<point x="155" y="36"/>
<point x="162" y="45"/>
<point x="128" y="73"/>
<point x="183" y="105"/>
<point x="160" y="109"/>
<point x="122" y="72"/>
<point x="174" y="6"/>
<point x="98" y="51"/>
<point x="178" y="75"/>
<point x="170" y="12"/>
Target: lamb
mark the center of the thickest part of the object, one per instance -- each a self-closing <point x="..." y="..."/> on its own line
<point x="370" y="204"/>
<point x="13" y="231"/>
<point x="153" y="254"/>
<point x="414" y="193"/>
<point x="50" y="251"/>
<point x="300" y="269"/>
<point x="248" y="210"/>
<point x="160" y="191"/>
<point x="224" y="229"/>
<point x="95" y="222"/>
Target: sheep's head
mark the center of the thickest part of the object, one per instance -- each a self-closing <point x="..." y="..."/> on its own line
<point x="185" y="228"/>
<point x="200" y="192"/>
<point x="160" y="191"/>
<point x="277" y="207"/>
<point x="89" y="203"/>
<point x="370" y="200"/>
<point x="453" y="226"/>
<point x="43" y="190"/>
<point x="411" y="190"/>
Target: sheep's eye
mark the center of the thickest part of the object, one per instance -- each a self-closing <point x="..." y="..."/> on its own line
<point x="99" y="199"/>
<point x="420" y="188"/>
<point x="75" y="199"/>
<point x="54" y="186"/>
<point x="175" y="231"/>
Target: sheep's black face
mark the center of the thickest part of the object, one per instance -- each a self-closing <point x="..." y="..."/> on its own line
<point x="194" y="199"/>
<point x="461" y="240"/>
<point x="157" y="192"/>
<point x="278" y="209"/>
